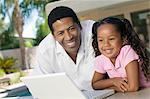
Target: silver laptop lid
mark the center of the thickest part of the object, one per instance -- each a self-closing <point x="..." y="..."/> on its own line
<point x="52" y="86"/>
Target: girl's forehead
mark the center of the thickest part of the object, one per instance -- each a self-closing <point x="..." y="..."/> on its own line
<point x="107" y="30"/>
<point x="106" y="27"/>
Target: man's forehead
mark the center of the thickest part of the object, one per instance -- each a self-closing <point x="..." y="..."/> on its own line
<point x="63" y="23"/>
<point x="64" y="19"/>
<point x="59" y="21"/>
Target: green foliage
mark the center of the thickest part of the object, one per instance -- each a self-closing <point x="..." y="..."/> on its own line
<point x="3" y="26"/>
<point x="2" y="73"/>
<point x="22" y="73"/>
<point x="28" y="5"/>
<point x="7" y="38"/>
<point x="42" y="31"/>
<point x="8" y="42"/>
<point x="8" y="65"/>
<point x="15" y="77"/>
<point x="28" y="44"/>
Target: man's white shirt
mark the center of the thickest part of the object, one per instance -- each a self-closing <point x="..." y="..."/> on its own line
<point x="52" y="58"/>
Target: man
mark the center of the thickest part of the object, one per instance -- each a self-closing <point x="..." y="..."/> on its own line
<point x="68" y="49"/>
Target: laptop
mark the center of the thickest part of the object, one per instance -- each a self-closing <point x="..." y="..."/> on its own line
<point x="59" y="86"/>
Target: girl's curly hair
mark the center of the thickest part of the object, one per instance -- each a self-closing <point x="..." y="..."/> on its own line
<point x="127" y="33"/>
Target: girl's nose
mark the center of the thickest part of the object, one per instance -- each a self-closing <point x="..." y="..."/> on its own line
<point x="106" y="43"/>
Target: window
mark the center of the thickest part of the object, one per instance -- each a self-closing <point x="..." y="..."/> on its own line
<point x="141" y="24"/>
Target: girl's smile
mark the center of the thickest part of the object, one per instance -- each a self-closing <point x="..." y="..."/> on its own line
<point x="109" y="41"/>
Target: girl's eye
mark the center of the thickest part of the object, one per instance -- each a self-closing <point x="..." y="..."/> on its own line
<point x="111" y="38"/>
<point x="100" y="40"/>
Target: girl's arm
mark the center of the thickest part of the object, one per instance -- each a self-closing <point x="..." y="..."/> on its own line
<point x="99" y="82"/>
<point x="132" y="71"/>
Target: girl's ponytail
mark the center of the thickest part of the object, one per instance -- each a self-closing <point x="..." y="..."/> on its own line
<point x="135" y="42"/>
<point x="94" y="37"/>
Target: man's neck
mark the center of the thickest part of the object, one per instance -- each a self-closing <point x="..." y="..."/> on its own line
<point x="73" y="56"/>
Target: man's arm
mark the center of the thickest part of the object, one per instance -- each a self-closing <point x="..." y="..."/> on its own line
<point x="44" y="56"/>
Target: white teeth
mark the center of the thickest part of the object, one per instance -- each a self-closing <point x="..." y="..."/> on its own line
<point x="71" y="44"/>
<point x="108" y="51"/>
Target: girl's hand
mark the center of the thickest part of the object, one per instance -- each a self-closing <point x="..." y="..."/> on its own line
<point x="120" y="83"/>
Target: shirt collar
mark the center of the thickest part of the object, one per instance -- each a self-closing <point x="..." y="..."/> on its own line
<point x="110" y="65"/>
<point x="81" y="52"/>
<point x="59" y="48"/>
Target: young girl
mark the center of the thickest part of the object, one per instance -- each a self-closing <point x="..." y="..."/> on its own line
<point x="121" y="55"/>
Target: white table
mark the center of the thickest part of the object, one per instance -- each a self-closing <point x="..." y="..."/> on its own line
<point x="141" y="94"/>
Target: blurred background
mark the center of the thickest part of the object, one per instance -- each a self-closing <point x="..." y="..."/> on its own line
<point x="23" y="24"/>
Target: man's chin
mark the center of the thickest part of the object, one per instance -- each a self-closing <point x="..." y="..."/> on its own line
<point x="72" y="50"/>
<point x="73" y="47"/>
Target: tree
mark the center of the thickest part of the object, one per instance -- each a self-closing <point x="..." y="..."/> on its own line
<point x="18" y="23"/>
<point x="7" y="39"/>
<point x="20" y="13"/>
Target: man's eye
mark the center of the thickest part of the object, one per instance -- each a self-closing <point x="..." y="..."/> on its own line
<point x="60" y="33"/>
<point x="71" y="28"/>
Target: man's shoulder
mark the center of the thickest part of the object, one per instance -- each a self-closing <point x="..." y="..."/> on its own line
<point x="87" y="22"/>
<point x="87" y="26"/>
<point x="47" y="43"/>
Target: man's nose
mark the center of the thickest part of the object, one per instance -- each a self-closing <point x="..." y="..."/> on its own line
<point x="68" y="35"/>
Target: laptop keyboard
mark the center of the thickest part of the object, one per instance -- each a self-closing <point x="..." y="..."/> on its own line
<point x="98" y="94"/>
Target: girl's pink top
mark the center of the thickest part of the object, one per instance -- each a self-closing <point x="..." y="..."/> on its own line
<point x="126" y="55"/>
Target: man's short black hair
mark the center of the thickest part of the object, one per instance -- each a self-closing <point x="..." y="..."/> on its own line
<point x="59" y="13"/>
